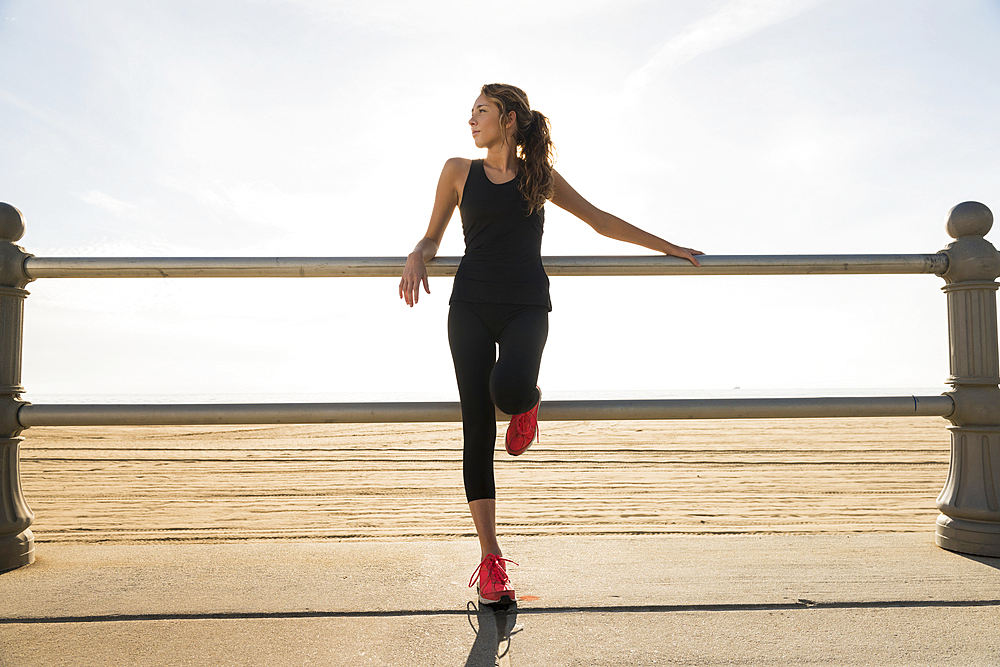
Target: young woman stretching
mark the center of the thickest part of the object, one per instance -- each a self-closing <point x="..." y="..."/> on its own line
<point x="501" y="293"/>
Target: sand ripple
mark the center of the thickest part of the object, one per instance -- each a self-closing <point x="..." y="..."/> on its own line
<point x="404" y="481"/>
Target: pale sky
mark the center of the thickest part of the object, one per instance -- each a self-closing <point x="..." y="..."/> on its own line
<point x="310" y="128"/>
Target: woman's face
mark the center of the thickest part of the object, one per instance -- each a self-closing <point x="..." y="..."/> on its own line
<point x="485" y="123"/>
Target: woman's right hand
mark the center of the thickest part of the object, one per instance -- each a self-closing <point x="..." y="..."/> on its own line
<point x="414" y="274"/>
<point x="445" y="202"/>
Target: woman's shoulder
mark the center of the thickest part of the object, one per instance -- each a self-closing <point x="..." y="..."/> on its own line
<point x="456" y="171"/>
<point x="459" y="164"/>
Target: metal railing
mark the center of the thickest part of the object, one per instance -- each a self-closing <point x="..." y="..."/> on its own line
<point x="411" y="412"/>
<point x="392" y="267"/>
<point x="970" y="519"/>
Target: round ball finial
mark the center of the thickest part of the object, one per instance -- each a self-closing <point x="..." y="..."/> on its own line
<point x="11" y="223"/>
<point x="970" y="218"/>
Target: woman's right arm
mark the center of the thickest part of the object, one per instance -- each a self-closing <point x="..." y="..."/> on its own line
<point x="446" y="200"/>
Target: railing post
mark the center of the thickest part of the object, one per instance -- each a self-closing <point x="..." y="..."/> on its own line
<point x="17" y="544"/>
<point x="970" y="513"/>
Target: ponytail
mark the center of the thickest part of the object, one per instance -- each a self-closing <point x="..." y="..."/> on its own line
<point x="536" y="152"/>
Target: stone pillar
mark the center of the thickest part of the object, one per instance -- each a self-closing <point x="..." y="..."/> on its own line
<point x="17" y="544"/>
<point x="970" y="501"/>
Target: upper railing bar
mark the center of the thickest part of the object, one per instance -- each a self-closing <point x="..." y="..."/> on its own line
<point x="392" y="267"/>
<point x="411" y="412"/>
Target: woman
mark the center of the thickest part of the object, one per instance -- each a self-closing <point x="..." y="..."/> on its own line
<point x="501" y="293"/>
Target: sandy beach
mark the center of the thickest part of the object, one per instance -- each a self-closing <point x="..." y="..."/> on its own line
<point x="393" y="481"/>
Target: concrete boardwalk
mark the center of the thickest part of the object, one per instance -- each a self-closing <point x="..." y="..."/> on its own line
<point x="866" y="599"/>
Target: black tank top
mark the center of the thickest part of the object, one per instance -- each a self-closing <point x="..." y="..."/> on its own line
<point x="503" y="245"/>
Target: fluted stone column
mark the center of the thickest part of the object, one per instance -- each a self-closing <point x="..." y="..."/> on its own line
<point x="970" y="501"/>
<point x="17" y="544"/>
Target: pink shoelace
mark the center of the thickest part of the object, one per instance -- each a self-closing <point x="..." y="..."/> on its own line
<point x="523" y="427"/>
<point x="493" y="570"/>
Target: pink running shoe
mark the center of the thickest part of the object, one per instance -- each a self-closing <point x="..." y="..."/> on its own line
<point x="523" y="430"/>
<point x="494" y="584"/>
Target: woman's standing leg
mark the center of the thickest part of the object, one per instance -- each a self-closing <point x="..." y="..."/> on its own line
<point x="473" y="350"/>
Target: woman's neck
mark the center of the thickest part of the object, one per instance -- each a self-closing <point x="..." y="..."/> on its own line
<point x="503" y="159"/>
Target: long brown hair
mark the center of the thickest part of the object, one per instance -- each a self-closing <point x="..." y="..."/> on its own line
<point x="533" y="141"/>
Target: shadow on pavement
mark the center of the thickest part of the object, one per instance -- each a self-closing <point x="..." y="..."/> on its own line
<point x="985" y="560"/>
<point x="494" y="625"/>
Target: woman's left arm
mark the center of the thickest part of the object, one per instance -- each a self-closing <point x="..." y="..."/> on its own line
<point x="608" y="225"/>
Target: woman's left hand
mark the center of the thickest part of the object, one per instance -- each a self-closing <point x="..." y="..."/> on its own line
<point x="684" y="253"/>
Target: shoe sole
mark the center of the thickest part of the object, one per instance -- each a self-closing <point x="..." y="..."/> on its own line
<point x="504" y="599"/>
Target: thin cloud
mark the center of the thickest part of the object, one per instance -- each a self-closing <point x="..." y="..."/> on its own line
<point x="54" y="120"/>
<point x="108" y="203"/>
<point x="735" y="21"/>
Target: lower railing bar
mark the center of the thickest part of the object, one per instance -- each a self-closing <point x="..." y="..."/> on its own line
<point x="321" y="413"/>
<point x="392" y="267"/>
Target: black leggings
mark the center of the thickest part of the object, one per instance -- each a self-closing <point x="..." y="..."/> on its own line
<point x="508" y="382"/>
